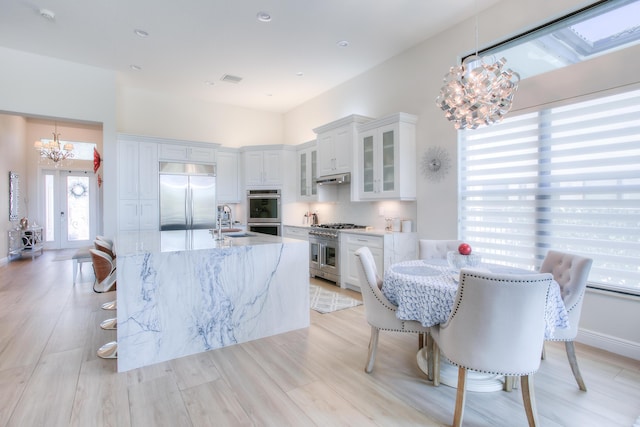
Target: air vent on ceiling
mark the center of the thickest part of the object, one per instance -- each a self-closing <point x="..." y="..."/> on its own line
<point x="231" y="79"/>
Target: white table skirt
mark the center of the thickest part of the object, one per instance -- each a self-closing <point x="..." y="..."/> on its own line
<point x="425" y="290"/>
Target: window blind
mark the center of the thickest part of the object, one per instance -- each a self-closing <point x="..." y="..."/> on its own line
<point x="564" y="177"/>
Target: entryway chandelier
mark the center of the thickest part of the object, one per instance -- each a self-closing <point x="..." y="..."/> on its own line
<point x="53" y="150"/>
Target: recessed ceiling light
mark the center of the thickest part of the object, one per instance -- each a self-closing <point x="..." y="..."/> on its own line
<point x="47" y="14"/>
<point x="141" y="33"/>
<point x="269" y="94"/>
<point x="263" y="17"/>
<point x="135" y="67"/>
<point x="342" y="43"/>
<point x="299" y="74"/>
<point x="209" y="83"/>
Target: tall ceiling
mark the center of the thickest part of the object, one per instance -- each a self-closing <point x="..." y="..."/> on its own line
<point x="191" y="44"/>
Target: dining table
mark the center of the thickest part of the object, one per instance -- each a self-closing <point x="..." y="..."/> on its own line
<point x="425" y="291"/>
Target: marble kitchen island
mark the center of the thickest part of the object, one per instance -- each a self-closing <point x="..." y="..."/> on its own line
<point x="181" y="293"/>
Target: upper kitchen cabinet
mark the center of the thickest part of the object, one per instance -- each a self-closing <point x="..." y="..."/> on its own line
<point x="137" y="184"/>
<point x="263" y="167"/>
<point x="188" y="152"/>
<point x="307" y="172"/>
<point x="335" y="144"/>
<point x="228" y="176"/>
<point x="386" y="164"/>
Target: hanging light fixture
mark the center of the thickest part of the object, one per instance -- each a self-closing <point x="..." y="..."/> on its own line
<point x="53" y="149"/>
<point x="476" y="93"/>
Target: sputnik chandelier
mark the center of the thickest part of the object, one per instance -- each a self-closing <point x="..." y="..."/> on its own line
<point x="53" y="150"/>
<point x="477" y="93"/>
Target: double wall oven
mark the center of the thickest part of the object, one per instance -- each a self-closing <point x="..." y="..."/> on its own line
<point x="264" y="211"/>
<point x="324" y="250"/>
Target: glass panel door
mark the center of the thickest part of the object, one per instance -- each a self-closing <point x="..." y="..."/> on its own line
<point x="70" y="205"/>
<point x="77" y="227"/>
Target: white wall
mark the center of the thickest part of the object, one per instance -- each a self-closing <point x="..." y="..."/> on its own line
<point x="161" y="115"/>
<point x="13" y="159"/>
<point x="33" y="85"/>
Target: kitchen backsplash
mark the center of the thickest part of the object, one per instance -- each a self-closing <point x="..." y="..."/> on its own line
<point x="344" y="210"/>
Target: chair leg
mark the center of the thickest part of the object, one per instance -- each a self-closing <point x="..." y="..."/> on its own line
<point x="573" y="361"/>
<point x="460" y="397"/>
<point x="435" y="357"/>
<point x="529" y="400"/>
<point x="373" y="345"/>
<point x="420" y="341"/>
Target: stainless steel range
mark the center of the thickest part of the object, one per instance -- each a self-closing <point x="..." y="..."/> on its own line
<point x="324" y="250"/>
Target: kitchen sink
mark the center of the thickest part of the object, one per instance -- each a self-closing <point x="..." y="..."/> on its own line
<point x="238" y="235"/>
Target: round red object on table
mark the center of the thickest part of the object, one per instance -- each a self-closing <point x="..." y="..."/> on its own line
<point x="464" y="249"/>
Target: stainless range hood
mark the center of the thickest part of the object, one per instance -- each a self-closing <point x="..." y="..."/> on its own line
<point x="339" y="178"/>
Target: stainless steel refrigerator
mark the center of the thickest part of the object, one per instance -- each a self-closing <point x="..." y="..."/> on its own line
<point x="187" y="196"/>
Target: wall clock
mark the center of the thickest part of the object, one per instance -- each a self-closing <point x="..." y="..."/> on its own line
<point x="435" y="164"/>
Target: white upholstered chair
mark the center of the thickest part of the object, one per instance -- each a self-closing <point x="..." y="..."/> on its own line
<point x="379" y="311"/>
<point x="496" y="326"/>
<point x="436" y="249"/>
<point x="571" y="272"/>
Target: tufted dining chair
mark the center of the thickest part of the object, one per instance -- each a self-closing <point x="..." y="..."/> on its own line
<point x="436" y="249"/>
<point x="379" y="311"/>
<point x="105" y="271"/>
<point x="571" y="272"/>
<point x="483" y="334"/>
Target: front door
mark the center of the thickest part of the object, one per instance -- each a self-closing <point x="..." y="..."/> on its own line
<point x="70" y="206"/>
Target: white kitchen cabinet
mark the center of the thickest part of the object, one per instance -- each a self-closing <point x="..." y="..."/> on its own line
<point x="387" y="159"/>
<point x="387" y="248"/>
<point x="263" y="168"/>
<point x="187" y="153"/>
<point x="336" y="141"/>
<point x="137" y="184"/>
<point x="349" y="244"/>
<point x="293" y="232"/>
<point x="228" y="176"/>
<point x="307" y="189"/>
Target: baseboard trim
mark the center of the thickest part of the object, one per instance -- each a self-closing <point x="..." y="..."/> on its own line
<point x="613" y="344"/>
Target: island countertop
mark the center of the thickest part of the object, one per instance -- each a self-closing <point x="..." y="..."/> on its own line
<point x="181" y="293"/>
<point x="131" y="243"/>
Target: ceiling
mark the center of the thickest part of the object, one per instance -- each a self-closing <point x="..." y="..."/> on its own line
<point x="193" y="43"/>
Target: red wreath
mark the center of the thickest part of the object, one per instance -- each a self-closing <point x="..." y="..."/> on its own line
<point x="96" y="160"/>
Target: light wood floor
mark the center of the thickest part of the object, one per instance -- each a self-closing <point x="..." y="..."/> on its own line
<point x="50" y="374"/>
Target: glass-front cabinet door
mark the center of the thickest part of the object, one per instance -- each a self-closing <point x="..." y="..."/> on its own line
<point x="387" y="159"/>
<point x="368" y="173"/>
<point x="307" y="174"/>
<point x="378" y="166"/>
<point x="304" y="188"/>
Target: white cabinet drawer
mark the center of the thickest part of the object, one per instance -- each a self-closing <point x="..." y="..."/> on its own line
<point x="296" y="233"/>
<point x="364" y="240"/>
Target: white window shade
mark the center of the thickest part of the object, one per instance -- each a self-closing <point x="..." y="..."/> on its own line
<point x="564" y="178"/>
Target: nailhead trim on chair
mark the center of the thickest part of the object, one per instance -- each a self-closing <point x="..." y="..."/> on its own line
<point x="455" y="311"/>
<point x="392" y="309"/>
<point x="462" y="284"/>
